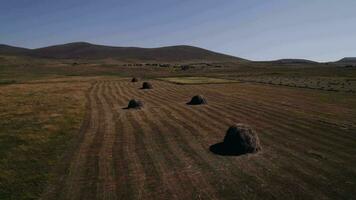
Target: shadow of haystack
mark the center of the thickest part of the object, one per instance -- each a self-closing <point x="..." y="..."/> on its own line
<point x="134" y="104"/>
<point x="134" y="79"/>
<point x="197" y="100"/>
<point x="239" y="139"/>
<point x="146" y="85"/>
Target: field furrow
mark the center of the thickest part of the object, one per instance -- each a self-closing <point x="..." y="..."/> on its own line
<point x="162" y="150"/>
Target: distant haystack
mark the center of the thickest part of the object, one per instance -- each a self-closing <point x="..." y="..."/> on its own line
<point x="134" y="104"/>
<point x="239" y="139"/>
<point x="146" y="85"/>
<point x="197" y="100"/>
<point x="134" y="79"/>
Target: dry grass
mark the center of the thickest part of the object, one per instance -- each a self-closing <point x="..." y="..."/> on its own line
<point x="162" y="151"/>
<point x="37" y="122"/>
<point x="332" y="84"/>
<point x="196" y="80"/>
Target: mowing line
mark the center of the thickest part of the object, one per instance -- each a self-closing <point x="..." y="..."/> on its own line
<point x="76" y="177"/>
<point x="106" y="183"/>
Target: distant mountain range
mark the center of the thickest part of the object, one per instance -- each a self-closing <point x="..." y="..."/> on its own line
<point x="181" y="53"/>
<point x="348" y="60"/>
<point x="83" y="50"/>
<point x="6" y="50"/>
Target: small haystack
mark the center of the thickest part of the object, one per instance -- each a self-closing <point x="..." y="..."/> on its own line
<point x="134" y="79"/>
<point x="197" y="100"/>
<point x="239" y="139"/>
<point x="146" y="85"/>
<point x="135" y="104"/>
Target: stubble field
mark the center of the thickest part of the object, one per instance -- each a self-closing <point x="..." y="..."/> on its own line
<point x="162" y="150"/>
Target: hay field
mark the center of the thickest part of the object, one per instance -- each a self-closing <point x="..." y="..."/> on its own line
<point x="335" y="84"/>
<point x="162" y="151"/>
<point x="196" y="80"/>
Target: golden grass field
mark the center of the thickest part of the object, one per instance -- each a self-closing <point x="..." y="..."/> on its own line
<point x="37" y="122"/>
<point x="70" y="138"/>
<point x="196" y="80"/>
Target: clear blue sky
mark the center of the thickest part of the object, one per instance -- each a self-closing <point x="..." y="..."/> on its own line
<point x="321" y="30"/>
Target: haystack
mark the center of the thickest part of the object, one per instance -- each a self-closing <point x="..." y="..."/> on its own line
<point x="239" y="139"/>
<point x="146" y="85"/>
<point x="197" y="100"/>
<point x="134" y="79"/>
<point x="134" y="104"/>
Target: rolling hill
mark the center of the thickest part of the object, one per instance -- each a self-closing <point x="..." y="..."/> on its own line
<point x="347" y="60"/>
<point x="11" y="50"/>
<point x="294" y="61"/>
<point x="83" y="50"/>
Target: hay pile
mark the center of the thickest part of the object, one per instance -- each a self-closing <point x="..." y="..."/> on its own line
<point x="146" y="85"/>
<point x="135" y="104"/>
<point x="134" y="79"/>
<point x="239" y="139"/>
<point x="197" y="100"/>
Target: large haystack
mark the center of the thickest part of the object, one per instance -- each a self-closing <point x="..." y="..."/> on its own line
<point x="146" y="85"/>
<point x="239" y="139"/>
<point x="197" y="100"/>
<point x="134" y="104"/>
<point x="134" y="79"/>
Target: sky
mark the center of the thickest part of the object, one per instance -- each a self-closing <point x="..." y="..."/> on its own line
<point x="320" y="30"/>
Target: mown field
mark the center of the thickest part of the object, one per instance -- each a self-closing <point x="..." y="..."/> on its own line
<point x="162" y="151"/>
<point x="65" y="135"/>
<point x="196" y="80"/>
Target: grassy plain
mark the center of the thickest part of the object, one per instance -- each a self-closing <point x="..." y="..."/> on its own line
<point x="37" y="122"/>
<point x="65" y="135"/>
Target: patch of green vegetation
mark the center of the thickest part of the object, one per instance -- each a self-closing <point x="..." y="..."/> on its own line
<point x="196" y="80"/>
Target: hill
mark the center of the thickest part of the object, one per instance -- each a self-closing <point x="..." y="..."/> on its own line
<point x="11" y="50"/>
<point x="294" y="61"/>
<point x="83" y="50"/>
<point x="348" y="60"/>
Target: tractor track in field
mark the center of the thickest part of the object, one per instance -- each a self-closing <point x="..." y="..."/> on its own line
<point x="162" y="150"/>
